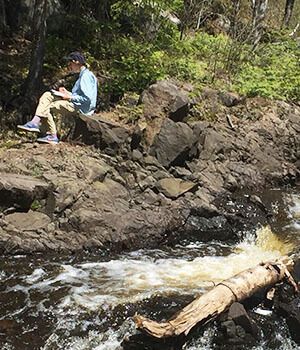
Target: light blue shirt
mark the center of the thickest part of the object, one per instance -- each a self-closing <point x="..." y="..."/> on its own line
<point x="84" y="92"/>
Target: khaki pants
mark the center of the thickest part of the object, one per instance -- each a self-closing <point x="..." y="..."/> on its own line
<point x="50" y="104"/>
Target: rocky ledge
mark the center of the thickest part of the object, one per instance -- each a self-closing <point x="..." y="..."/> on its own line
<point x="162" y="174"/>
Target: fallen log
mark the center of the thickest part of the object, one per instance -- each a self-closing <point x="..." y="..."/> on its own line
<point x="209" y="305"/>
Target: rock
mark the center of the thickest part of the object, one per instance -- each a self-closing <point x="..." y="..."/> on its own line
<point x="99" y="200"/>
<point x="230" y="328"/>
<point x="137" y="155"/>
<point x="181" y="172"/>
<point x="172" y="145"/>
<point x="104" y="134"/>
<point x="173" y="188"/>
<point x="292" y="314"/>
<point x="296" y="271"/>
<point x="8" y="326"/>
<point x="67" y="192"/>
<point x="239" y="315"/>
<point x="213" y="143"/>
<point x="165" y="97"/>
<point x="148" y="182"/>
<point x="179" y="108"/>
<point x="230" y="99"/>
<point x="160" y="101"/>
<point x="30" y="221"/>
<point x="20" y="190"/>
<point x="95" y="170"/>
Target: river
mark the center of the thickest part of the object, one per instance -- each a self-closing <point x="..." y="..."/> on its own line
<point x="86" y="301"/>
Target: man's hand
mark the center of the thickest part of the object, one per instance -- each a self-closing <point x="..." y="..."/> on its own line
<point x="66" y="95"/>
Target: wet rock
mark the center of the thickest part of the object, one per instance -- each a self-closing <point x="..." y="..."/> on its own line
<point x="201" y="226"/>
<point x="296" y="271"/>
<point x="8" y="326"/>
<point x="286" y="304"/>
<point x="230" y="328"/>
<point x="239" y="315"/>
<point x="237" y="328"/>
<point x="291" y="312"/>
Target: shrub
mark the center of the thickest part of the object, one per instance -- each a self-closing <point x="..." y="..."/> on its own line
<point x="273" y="72"/>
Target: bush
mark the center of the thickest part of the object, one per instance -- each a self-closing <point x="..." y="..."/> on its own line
<point x="273" y="72"/>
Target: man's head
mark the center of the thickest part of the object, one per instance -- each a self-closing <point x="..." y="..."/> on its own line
<point x="75" y="61"/>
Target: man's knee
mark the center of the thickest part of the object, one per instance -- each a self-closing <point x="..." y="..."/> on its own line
<point x="47" y="96"/>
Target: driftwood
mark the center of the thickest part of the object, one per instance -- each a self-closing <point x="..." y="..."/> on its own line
<point x="214" y="302"/>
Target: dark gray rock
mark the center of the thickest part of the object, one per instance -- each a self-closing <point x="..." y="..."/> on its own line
<point x="230" y="99"/>
<point x="172" y="145"/>
<point x="239" y="315"/>
<point x="106" y="135"/>
<point x="20" y="191"/>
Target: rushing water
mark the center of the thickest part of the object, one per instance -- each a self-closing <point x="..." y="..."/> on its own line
<point x="87" y="302"/>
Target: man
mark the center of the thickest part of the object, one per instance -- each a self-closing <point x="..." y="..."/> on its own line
<point x="81" y="99"/>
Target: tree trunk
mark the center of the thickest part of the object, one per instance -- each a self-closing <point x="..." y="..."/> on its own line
<point x="289" y="6"/>
<point x="33" y="80"/>
<point x="259" y="9"/>
<point x="102" y="10"/>
<point x="3" y="23"/>
<point x="208" y="306"/>
<point x="234" y="18"/>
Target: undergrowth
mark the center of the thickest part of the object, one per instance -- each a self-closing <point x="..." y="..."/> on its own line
<point x="130" y="65"/>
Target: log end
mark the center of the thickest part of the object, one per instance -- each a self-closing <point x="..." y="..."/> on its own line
<point x="156" y="329"/>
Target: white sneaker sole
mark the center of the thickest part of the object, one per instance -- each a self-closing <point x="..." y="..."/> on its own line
<point x="49" y="142"/>
<point x="22" y="127"/>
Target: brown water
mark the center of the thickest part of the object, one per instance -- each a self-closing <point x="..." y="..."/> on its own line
<point x="87" y="301"/>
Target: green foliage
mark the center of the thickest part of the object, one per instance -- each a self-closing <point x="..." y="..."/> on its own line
<point x="133" y="67"/>
<point x="132" y="44"/>
<point x="36" y="205"/>
<point x="273" y="72"/>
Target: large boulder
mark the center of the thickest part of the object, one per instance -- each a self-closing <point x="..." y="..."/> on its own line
<point x="162" y="100"/>
<point x="164" y="97"/>
<point x="105" y="134"/>
<point x="20" y="191"/>
<point x="173" y="144"/>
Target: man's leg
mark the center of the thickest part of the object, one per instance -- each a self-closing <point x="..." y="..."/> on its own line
<point x="43" y="110"/>
<point x="60" y="108"/>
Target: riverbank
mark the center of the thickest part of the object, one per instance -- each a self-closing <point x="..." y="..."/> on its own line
<point x="164" y="174"/>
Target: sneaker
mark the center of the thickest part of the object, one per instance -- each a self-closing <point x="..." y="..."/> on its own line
<point x="29" y="127"/>
<point x="48" y="139"/>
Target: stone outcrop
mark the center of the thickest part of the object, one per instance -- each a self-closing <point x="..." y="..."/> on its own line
<point x="161" y="100"/>
<point x="20" y="191"/>
<point x="173" y="144"/>
<point x="117" y="185"/>
<point x="104" y="134"/>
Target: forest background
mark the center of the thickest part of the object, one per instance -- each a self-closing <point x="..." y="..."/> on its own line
<point x="250" y="47"/>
